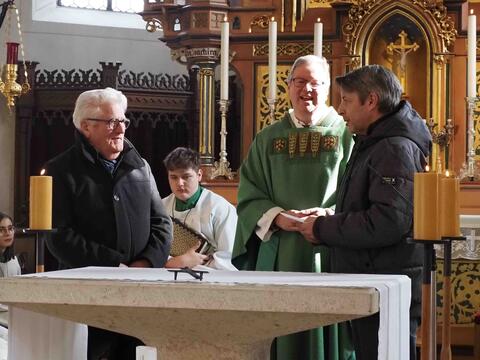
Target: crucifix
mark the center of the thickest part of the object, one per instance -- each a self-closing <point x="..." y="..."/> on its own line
<point x="402" y="49"/>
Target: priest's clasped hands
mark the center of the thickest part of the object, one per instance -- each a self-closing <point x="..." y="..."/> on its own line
<point x="301" y="221"/>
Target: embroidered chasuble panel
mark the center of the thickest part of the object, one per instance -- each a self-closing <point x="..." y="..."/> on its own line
<point x="303" y="143"/>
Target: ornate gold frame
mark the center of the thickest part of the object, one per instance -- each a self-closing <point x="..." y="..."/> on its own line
<point x="365" y="16"/>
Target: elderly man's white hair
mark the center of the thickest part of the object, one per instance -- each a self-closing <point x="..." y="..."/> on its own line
<point x="314" y="60"/>
<point x="89" y="103"/>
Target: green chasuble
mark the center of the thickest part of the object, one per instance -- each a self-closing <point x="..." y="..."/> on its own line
<point x="293" y="168"/>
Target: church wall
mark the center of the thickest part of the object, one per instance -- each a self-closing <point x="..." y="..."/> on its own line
<point x="7" y="158"/>
<point x="57" y="45"/>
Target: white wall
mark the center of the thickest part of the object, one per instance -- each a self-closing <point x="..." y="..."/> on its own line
<point x="62" y="38"/>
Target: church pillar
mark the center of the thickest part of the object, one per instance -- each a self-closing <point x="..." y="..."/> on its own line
<point x="206" y="93"/>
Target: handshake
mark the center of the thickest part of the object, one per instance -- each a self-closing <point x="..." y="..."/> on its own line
<point x="301" y="221"/>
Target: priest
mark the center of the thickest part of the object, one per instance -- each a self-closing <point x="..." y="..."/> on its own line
<point x="294" y="163"/>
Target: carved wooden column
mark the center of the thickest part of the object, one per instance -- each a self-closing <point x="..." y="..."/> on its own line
<point x="23" y="130"/>
<point x="110" y="74"/>
<point x="192" y="31"/>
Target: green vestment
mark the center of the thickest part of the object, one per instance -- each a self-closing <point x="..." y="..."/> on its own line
<point x="293" y="168"/>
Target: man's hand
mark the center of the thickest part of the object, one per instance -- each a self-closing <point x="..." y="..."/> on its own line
<point x="286" y="223"/>
<point x="316" y="211"/>
<point x="190" y="259"/>
<point x="143" y="263"/>
<point x="306" y="229"/>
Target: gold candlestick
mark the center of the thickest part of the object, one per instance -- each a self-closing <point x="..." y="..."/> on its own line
<point x="221" y="167"/>
<point x="469" y="170"/>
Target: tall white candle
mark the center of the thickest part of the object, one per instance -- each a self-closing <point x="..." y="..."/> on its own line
<point x="272" y="59"/>
<point x="472" y="55"/>
<point x="224" y="60"/>
<point x="317" y="38"/>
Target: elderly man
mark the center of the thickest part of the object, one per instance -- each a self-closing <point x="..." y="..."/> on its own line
<point x="374" y="213"/>
<point x="106" y="205"/>
<point x="293" y="164"/>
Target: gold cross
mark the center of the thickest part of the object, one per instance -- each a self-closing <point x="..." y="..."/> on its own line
<point x="403" y="49"/>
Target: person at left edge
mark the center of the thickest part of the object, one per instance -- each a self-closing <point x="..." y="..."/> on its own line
<point x="106" y="206"/>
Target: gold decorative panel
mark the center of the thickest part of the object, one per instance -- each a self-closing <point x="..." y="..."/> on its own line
<point x="465" y="290"/>
<point x="476" y="122"/>
<point x="320" y="3"/>
<point x="291" y="49"/>
<point x="262" y="112"/>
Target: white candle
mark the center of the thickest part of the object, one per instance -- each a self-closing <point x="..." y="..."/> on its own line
<point x="317" y="38"/>
<point x="472" y="55"/>
<point x="272" y="59"/>
<point x="224" y="60"/>
<point x="146" y="353"/>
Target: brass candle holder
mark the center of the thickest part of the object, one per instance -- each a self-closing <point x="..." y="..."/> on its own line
<point x="441" y="137"/>
<point x="11" y="89"/>
<point x="221" y="167"/>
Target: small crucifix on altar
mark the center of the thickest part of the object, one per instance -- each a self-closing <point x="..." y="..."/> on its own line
<point x="401" y="48"/>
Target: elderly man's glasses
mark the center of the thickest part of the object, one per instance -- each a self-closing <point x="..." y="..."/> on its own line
<point x="7" y="229"/>
<point x="113" y="123"/>
<point x="300" y="83"/>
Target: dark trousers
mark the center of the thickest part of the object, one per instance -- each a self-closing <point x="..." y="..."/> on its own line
<point x="365" y="337"/>
<point x="109" y="345"/>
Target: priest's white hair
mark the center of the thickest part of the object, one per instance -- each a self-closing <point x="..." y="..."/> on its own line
<point x="311" y="59"/>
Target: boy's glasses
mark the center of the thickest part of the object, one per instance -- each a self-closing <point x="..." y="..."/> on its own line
<point x="7" y="229"/>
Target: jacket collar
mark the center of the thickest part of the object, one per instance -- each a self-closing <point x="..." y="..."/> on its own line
<point x="128" y="156"/>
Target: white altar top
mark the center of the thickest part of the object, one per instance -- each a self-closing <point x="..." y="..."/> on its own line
<point x="218" y="312"/>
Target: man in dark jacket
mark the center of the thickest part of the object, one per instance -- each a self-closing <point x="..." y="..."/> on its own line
<point x="374" y="212"/>
<point x="106" y="205"/>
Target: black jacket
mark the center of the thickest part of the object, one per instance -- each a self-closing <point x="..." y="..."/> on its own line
<point x="104" y="219"/>
<point x="374" y="211"/>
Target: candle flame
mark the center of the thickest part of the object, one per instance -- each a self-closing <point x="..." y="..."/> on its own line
<point x="318" y="20"/>
<point x="42" y="172"/>
<point x="471" y="11"/>
<point x="447" y="173"/>
<point x="427" y="168"/>
<point x="225" y="19"/>
<point x="272" y="18"/>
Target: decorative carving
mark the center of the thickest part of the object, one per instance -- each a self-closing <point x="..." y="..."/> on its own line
<point x="160" y="101"/>
<point x="49" y="117"/>
<point x="322" y="3"/>
<point x="362" y="9"/>
<point x="439" y="12"/>
<point x="465" y="285"/>
<point x="67" y="78"/>
<point x="153" y="25"/>
<point x="200" y="20"/>
<point x="440" y="61"/>
<point x="216" y="19"/>
<point x="354" y="63"/>
<point x="291" y="49"/>
<point x="153" y="81"/>
<point x="262" y="112"/>
<point x="260" y="21"/>
<point x="154" y="118"/>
